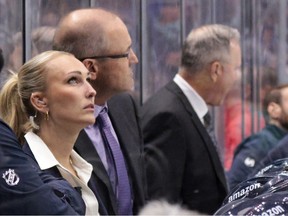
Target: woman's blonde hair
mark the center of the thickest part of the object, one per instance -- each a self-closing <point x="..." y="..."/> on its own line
<point x="15" y="106"/>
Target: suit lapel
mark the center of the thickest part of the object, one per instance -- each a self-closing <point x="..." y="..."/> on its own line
<point x="202" y="131"/>
<point x="86" y="149"/>
<point x="122" y="129"/>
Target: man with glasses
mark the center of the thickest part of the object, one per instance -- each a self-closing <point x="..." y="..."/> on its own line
<point x="113" y="145"/>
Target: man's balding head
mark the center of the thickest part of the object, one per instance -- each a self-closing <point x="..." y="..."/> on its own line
<point x="93" y="36"/>
<point x="83" y="32"/>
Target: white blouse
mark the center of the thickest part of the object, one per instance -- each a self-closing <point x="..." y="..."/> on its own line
<point x="46" y="160"/>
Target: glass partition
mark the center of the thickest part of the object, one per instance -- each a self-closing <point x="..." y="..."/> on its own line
<point x="158" y="28"/>
<point x="11" y="15"/>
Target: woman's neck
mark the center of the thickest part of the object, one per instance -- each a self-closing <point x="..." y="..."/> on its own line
<point x="60" y="142"/>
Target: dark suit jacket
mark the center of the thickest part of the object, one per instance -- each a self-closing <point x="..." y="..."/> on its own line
<point x="182" y="163"/>
<point x="123" y="114"/>
<point x="61" y="187"/>
<point x="22" y="191"/>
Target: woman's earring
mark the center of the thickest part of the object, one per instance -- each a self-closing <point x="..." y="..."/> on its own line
<point x="31" y="119"/>
<point x="47" y="116"/>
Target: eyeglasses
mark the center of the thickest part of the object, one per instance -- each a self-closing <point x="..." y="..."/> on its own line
<point x="125" y="55"/>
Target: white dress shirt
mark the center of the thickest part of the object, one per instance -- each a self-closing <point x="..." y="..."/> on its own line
<point x="46" y="160"/>
<point x="193" y="97"/>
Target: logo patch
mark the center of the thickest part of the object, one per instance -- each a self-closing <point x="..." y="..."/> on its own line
<point x="249" y="162"/>
<point x="11" y="177"/>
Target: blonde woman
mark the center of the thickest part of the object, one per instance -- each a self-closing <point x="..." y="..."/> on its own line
<point x="47" y="104"/>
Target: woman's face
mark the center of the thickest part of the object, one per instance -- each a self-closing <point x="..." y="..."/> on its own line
<point x="69" y="95"/>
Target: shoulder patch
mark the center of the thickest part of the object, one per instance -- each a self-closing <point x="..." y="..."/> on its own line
<point x="249" y="162"/>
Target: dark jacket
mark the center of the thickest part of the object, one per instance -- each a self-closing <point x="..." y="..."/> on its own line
<point x="182" y="163"/>
<point x="61" y="187"/>
<point x="22" y="191"/>
<point x="279" y="152"/>
<point x="251" y="151"/>
<point x="124" y="117"/>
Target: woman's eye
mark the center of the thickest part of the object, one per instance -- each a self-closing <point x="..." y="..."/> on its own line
<point x="73" y="80"/>
<point x="88" y="79"/>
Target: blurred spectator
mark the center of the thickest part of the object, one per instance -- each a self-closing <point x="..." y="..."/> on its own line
<point x="166" y="42"/>
<point x="51" y="11"/>
<point x="1" y="60"/>
<point x="233" y="123"/>
<point x="42" y="38"/>
<point x="193" y="13"/>
<point x="268" y="45"/>
<point x="12" y="53"/>
<point x="230" y="13"/>
<point x="15" y="56"/>
<point x="254" y="148"/>
<point x="237" y="109"/>
<point x="41" y="41"/>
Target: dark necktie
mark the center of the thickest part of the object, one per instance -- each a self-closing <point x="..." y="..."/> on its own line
<point x="209" y="125"/>
<point x="123" y="190"/>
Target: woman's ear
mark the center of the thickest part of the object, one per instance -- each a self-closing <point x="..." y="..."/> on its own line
<point x="39" y="102"/>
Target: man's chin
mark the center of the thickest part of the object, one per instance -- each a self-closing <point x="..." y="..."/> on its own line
<point x="130" y="87"/>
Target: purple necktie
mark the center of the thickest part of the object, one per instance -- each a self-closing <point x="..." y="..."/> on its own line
<point x="123" y="190"/>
